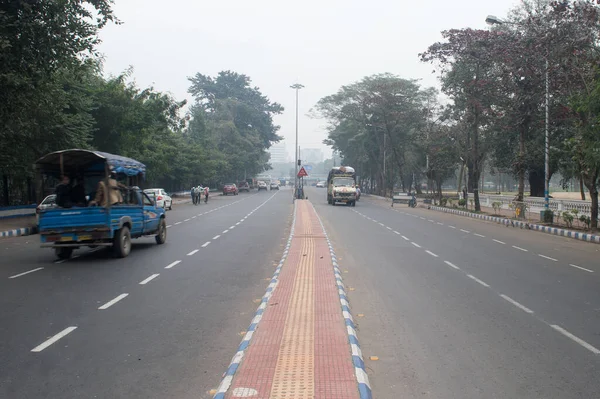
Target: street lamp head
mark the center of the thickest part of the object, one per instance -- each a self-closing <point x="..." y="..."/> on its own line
<point x="493" y="20"/>
<point x="297" y="86"/>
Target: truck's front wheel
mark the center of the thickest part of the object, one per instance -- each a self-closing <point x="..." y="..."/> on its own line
<point x="122" y="242"/>
<point x="63" y="252"/>
<point x="161" y="237"/>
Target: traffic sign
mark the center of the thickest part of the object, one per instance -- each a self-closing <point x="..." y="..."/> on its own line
<point x="308" y="168"/>
<point x="302" y="172"/>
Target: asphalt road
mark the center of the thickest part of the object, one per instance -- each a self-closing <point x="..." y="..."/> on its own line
<point x="452" y="307"/>
<point x="459" y="308"/>
<point x="172" y="335"/>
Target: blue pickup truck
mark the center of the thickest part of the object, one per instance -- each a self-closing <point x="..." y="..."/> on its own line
<point x="74" y="225"/>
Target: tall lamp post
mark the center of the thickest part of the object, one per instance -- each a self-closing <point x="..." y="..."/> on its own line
<point x="296" y="87"/>
<point x="492" y="20"/>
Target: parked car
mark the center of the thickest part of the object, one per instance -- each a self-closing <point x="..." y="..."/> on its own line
<point x="48" y="202"/>
<point x="274" y="186"/>
<point x="321" y="184"/>
<point x="230" y="188"/>
<point x="262" y="185"/>
<point x="163" y="200"/>
<point x="244" y="186"/>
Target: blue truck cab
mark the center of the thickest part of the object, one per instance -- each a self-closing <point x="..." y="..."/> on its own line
<point x="75" y="225"/>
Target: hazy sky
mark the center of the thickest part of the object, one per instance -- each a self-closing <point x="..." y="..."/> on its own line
<point x="322" y="44"/>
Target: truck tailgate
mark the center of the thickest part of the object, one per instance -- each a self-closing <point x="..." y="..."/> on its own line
<point x="73" y="219"/>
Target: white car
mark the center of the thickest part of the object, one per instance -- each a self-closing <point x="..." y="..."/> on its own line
<point x="321" y="184"/>
<point x="274" y="186"/>
<point x="163" y="200"/>
<point x="48" y="202"/>
<point x="262" y="186"/>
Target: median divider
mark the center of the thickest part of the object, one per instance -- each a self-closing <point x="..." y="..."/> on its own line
<point x="302" y="340"/>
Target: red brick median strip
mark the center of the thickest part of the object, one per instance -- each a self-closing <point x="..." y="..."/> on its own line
<point x="299" y="345"/>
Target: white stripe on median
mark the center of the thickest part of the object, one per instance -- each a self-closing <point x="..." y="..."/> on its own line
<point x="112" y="302"/>
<point x="52" y="340"/>
<point x="152" y="277"/>
<point x="27" y="272"/>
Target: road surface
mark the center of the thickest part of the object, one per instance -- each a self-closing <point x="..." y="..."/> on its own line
<point x="450" y="307"/>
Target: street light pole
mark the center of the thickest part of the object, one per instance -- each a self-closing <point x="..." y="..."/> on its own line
<point x="492" y="20"/>
<point x="296" y="87"/>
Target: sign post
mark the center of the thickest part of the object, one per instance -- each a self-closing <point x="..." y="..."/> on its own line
<point x="301" y="174"/>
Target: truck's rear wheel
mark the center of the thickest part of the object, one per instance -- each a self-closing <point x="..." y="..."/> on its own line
<point x="161" y="237"/>
<point x="63" y="252"/>
<point x="122" y="242"/>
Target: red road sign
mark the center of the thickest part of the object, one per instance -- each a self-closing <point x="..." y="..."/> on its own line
<point x="302" y="172"/>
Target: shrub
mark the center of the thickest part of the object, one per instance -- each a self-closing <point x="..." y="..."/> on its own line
<point x="568" y="218"/>
<point x="585" y="220"/>
<point x="462" y="202"/>
<point x="497" y="205"/>
<point x="548" y="216"/>
<point x="443" y="201"/>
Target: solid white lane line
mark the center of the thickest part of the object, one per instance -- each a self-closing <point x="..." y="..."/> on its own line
<point x="225" y="231"/>
<point x="478" y="280"/>
<point x="452" y="227"/>
<point x="451" y="265"/>
<point x="173" y="264"/>
<point x="431" y="253"/>
<point x="27" y="272"/>
<point x="498" y="241"/>
<point x="547" y="257"/>
<point x="479" y="235"/>
<point x="216" y="237"/>
<point x="465" y="231"/>
<point x="186" y="220"/>
<point x="112" y="302"/>
<point x="517" y="304"/>
<point x="146" y="281"/>
<point x="415" y="244"/>
<point x="520" y="249"/>
<point x="576" y="339"/>
<point x="177" y="223"/>
<point x="55" y="338"/>
<point x="405" y="238"/>
<point x="193" y="252"/>
<point x="582" y="268"/>
<point x="205" y="244"/>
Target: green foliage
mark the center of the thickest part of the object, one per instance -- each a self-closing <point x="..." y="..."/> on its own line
<point x="548" y="216"/>
<point x="496" y="205"/>
<point x="568" y="218"/>
<point x="462" y="202"/>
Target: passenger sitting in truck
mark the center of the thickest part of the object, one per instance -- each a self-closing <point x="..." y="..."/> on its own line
<point x="63" y="193"/>
<point x="78" y="193"/>
<point x="112" y="194"/>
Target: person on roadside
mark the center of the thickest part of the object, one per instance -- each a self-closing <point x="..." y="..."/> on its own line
<point x="206" y="190"/>
<point x="110" y="194"/>
<point x="193" y="194"/>
<point x="63" y="192"/>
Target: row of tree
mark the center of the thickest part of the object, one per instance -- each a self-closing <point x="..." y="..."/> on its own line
<point x="497" y="84"/>
<point x="53" y="96"/>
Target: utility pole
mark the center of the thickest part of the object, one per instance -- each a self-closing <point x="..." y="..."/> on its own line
<point x="296" y="87"/>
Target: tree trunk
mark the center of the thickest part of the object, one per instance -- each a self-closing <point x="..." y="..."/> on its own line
<point x="594" y="212"/>
<point x="581" y="189"/>
<point x="521" y="164"/>
<point x="5" y="191"/>
<point x="537" y="183"/>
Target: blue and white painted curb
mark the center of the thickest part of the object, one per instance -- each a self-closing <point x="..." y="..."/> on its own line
<point x="362" y="378"/>
<point x="23" y="231"/>
<point x="515" y="223"/>
<point x="239" y="355"/>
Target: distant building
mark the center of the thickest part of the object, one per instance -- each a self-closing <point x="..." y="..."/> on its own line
<point x="278" y="153"/>
<point x="311" y="155"/>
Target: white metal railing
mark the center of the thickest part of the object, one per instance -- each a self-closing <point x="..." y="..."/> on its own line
<point x="537" y="204"/>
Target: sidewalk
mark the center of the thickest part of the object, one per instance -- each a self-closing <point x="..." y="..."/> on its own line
<point x="302" y="342"/>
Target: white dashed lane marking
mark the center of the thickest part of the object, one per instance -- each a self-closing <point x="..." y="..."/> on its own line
<point x="112" y="302"/>
<point x="478" y="280"/>
<point x="205" y="244"/>
<point x="452" y="265"/>
<point x="27" y="272"/>
<point x="216" y="237"/>
<point x="465" y="231"/>
<point x="193" y="252"/>
<point x="147" y="280"/>
<point x="431" y="253"/>
<point x="479" y="235"/>
<point x="519" y="248"/>
<point x="415" y="244"/>
<point x="517" y="304"/>
<point x="547" y="257"/>
<point x="498" y="241"/>
<point x="173" y="264"/>
<point x="582" y="268"/>
<point x="225" y="231"/>
<point x="55" y="338"/>
<point x="576" y="339"/>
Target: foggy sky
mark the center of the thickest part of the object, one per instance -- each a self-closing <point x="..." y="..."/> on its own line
<point x="322" y="44"/>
